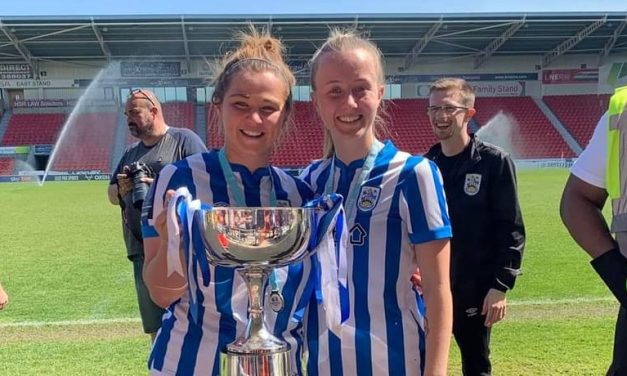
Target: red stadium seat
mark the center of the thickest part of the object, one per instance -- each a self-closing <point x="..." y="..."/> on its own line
<point x="179" y="114"/>
<point x="89" y="144"/>
<point x="532" y="136"/>
<point x="29" y="129"/>
<point x="578" y="113"/>
<point x="408" y="126"/>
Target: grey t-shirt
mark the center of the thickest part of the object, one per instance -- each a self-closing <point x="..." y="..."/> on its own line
<point x="176" y="144"/>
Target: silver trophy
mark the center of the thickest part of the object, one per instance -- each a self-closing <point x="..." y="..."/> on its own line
<point x="256" y="240"/>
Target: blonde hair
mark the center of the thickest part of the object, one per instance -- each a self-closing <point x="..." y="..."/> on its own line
<point x="341" y="40"/>
<point x="465" y="92"/>
<point x="258" y="51"/>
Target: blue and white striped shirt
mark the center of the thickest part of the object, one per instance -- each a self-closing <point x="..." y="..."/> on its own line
<point x="400" y="203"/>
<point x="184" y="346"/>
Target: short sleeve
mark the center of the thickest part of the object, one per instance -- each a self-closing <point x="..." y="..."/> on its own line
<point x="424" y="204"/>
<point x="590" y="166"/>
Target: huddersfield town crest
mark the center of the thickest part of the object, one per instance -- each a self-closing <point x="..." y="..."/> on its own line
<point x="472" y="184"/>
<point x="368" y="197"/>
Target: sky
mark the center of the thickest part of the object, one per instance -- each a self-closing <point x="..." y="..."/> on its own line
<point x="270" y="7"/>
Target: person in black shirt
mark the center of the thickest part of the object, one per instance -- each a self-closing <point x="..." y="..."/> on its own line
<point x="488" y="231"/>
<point x="158" y="146"/>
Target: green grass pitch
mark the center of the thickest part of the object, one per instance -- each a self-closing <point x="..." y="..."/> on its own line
<point x="73" y="310"/>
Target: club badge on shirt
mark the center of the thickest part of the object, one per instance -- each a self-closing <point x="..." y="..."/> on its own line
<point x="472" y="184"/>
<point x="368" y="197"/>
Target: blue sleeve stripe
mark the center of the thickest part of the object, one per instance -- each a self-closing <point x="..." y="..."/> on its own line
<point x="149" y="231"/>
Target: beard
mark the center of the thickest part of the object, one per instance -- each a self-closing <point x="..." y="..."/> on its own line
<point x="140" y="132"/>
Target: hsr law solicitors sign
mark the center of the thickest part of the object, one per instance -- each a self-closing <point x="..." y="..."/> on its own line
<point x="33" y="84"/>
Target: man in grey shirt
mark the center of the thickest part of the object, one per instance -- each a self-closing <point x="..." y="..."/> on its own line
<point x="158" y="146"/>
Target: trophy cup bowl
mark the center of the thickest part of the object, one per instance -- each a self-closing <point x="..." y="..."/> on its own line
<point x="255" y="240"/>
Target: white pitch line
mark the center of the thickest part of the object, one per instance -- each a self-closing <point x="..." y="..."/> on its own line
<point x="125" y="320"/>
<point x="120" y="320"/>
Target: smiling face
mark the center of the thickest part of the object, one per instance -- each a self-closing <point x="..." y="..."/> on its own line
<point x="449" y="117"/>
<point x="253" y="114"/>
<point x="347" y="95"/>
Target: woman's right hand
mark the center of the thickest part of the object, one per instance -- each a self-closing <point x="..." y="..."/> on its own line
<point x="164" y="288"/>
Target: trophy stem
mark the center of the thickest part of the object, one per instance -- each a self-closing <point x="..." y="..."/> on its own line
<point x="272" y="237"/>
<point x="256" y="339"/>
<point x="256" y="352"/>
<point x="256" y="279"/>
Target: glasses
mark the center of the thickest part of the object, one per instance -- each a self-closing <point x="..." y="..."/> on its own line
<point x="144" y="95"/>
<point x="447" y="108"/>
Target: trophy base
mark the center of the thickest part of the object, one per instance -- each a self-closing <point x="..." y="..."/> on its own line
<point x="271" y="364"/>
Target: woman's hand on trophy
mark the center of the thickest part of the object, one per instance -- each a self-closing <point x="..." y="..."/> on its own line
<point x="164" y="286"/>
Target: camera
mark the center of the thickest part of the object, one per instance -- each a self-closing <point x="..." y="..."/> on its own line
<point x="138" y="171"/>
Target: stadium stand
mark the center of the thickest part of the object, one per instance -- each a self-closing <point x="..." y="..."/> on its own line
<point x="179" y="114"/>
<point x="89" y="145"/>
<point x="532" y="135"/>
<point x="303" y="143"/>
<point x="29" y="129"/>
<point x="408" y="125"/>
<point x="186" y="90"/>
<point x="578" y="113"/>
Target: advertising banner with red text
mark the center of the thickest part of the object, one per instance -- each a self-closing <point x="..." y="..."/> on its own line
<point x="570" y="76"/>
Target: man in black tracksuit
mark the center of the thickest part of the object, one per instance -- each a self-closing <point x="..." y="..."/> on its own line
<point x="488" y="231"/>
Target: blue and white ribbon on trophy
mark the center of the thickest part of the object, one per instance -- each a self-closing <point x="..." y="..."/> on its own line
<point x="182" y="207"/>
<point x="329" y="240"/>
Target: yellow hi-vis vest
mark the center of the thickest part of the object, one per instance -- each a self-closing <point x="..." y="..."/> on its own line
<point x="616" y="167"/>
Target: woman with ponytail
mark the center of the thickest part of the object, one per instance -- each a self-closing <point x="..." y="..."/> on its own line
<point x="253" y="106"/>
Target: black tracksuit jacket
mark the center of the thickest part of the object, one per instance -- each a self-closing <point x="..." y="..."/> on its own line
<point x="488" y="230"/>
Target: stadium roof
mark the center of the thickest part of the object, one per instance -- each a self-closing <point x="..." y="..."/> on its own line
<point x="409" y="36"/>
